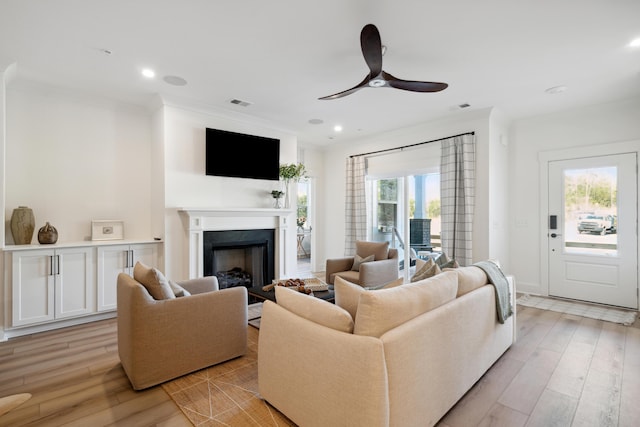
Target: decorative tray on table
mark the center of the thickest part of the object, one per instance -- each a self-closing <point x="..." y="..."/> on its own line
<point x="308" y="285"/>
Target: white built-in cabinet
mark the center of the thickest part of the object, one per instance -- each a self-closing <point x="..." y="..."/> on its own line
<point x="45" y="285"/>
<point x="52" y="284"/>
<point x="113" y="260"/>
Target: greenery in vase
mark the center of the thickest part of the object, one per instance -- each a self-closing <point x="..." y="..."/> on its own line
<point x="292" y="171"/>
<point x="276" y="194"/>
<point x="300" y="221"/>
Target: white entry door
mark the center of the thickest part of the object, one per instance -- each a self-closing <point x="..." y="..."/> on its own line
<point x="592" y="236"/>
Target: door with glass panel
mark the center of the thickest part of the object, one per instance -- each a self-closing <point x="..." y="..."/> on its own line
<point x="406" y="213"/>
<point x="592" y="235"/>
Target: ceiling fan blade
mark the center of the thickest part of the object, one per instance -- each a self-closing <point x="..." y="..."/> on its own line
<point x="371" y="49"/>
<point x="412" y="85"/>
<point x="363" y="83"/>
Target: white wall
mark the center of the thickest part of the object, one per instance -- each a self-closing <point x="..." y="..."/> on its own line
<point x="593" y="125"/>
<point x="187" y="186"/>
<point x="334" y="177"/>
<point x="73" y="158"/>
<point x="499" y="170"/>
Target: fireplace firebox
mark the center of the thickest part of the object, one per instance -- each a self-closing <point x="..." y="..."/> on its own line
<point x="240" y="257"/>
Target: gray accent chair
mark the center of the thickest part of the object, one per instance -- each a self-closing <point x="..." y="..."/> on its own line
<point x="384" y="269"/>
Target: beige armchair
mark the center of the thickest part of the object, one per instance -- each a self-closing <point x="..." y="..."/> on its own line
<point x="383" y="269"/>
<point x="159" y="340"/>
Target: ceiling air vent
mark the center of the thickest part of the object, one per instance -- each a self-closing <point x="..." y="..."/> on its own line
<point x="240" y="102"/>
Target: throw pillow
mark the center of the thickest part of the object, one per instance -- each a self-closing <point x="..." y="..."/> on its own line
<point x="442" y="259"/>
<point x="429" y="269"/>
<point x="153" y="280"/>
<point x="450" y="264"/>
<point x="383" y="310"/>
<point x="314" y="309"/>
<point x="357" y="260"/>
<point x="379" y="250"/>
<point x="347" y="295"/>
<point x="178" y="290"/>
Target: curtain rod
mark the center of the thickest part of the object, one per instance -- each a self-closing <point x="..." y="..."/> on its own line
<point x="410" y="145"/>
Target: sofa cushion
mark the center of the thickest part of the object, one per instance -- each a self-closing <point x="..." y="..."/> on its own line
<point x="357" y="260"/>
<point x="429" y="269"/>
<point x="469" y="278"/>
<point x="314" y="309"/>
<point x="178" y="290"/>
<point x="153" y="280"/>
<point x="379" y="250"/>
<point x="380" y="311"/>
<point x="392" y="284"/>
<point x="350" y="276"/>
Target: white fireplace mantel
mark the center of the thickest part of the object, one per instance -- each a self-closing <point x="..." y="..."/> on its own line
<point x="199" y="220"/>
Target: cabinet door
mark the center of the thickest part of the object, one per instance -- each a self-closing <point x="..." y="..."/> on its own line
<point x="32" y="287"/>
<point x="112" y="260"/>
<point x="146" y="254"/>
<point x="75" y="282"/>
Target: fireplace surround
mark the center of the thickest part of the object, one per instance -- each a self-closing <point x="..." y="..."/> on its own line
<point x="197" y="221"/>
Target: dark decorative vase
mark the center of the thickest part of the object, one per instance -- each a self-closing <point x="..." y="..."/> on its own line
<point x="48" y="234"/>
<point x="22" y="225"/>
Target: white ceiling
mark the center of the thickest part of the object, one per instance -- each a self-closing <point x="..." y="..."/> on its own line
<point x="282" y="55"/>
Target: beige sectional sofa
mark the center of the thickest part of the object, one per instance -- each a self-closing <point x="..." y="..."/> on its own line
<point x="399" y="357"/>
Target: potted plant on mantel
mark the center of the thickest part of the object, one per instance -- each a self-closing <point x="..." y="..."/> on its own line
<point x="291" y="172"/>
<point x="277" y="195"/>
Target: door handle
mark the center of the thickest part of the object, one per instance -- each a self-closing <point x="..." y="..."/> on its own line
<point x="554" y="235"/>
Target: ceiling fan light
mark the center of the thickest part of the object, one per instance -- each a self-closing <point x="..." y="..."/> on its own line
<point x="377" y="83"/>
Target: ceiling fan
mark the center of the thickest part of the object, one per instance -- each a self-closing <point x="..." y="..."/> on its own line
<point x="377" y="77"/>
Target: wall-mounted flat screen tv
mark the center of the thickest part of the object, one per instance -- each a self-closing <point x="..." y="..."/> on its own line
<point x="240" y="155"/>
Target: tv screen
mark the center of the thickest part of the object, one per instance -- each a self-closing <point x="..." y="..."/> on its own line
<point x="239" y="155"/>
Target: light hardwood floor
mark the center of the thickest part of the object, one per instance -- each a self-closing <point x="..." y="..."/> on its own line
<point x="564" y="370"/>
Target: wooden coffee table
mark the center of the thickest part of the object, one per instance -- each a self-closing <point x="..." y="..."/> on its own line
<point x="260" y="295"/>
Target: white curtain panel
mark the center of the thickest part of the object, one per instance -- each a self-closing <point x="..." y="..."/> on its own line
<point x="457" y="196"/>
<point x="355" y="204"/>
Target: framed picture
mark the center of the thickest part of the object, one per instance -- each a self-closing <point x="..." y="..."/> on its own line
<point x="107" y="230"/>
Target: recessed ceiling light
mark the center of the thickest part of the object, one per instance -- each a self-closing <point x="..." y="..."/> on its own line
<point x="556" y="89"/>
<point x="148" y="73"/>
<point x="635" y="42"/>
<point x="337" y="128"/>
<point x="174" y="80"/>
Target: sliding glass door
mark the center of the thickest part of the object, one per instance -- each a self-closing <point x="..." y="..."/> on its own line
<point x="405" y="211"/>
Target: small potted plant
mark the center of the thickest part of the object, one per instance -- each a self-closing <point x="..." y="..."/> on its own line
<point x="277" y="195"/>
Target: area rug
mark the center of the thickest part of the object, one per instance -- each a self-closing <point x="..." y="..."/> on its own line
<point x="226" y="394"/>
<point x="255" y="312"/>
<point x="593" y="311"/>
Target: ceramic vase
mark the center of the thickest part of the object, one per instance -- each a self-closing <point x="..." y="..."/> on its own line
<point x="48" y="234"/>
<point x="22" y="225"/>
